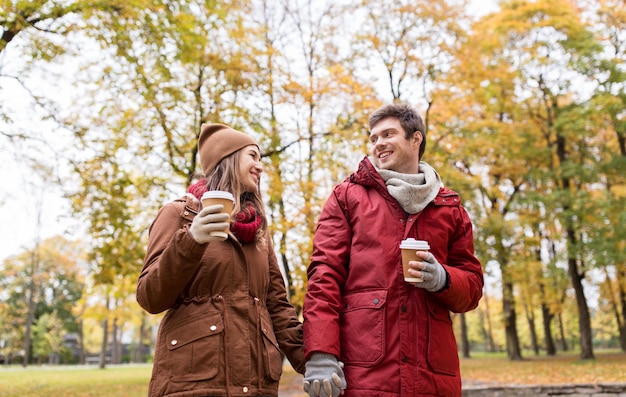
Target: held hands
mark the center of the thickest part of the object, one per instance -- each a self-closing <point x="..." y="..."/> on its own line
<point x="430" y="270"/>
<point x="209" y="219"/>
<point x="324" y="376"/>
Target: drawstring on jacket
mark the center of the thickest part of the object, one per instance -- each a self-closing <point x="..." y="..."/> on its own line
<point x="259" y="342"/>
<point x="226" y="366"/>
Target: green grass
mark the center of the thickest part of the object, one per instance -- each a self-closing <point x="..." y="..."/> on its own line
<point x="74" y="381"/>
<point x="90" y="381"/>
<point x="132" y="380"/>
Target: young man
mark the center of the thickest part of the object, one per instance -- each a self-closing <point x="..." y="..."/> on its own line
<point x="395" y="338"/>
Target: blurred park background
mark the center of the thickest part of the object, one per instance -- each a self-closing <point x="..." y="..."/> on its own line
<point x="101" y="104"/>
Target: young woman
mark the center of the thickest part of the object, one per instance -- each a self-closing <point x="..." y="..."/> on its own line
<point x="228" y="318"/>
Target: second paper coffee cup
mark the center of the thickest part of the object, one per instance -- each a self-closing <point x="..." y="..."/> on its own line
<point x="213" y="197"/>
<point x="408" y="248"/>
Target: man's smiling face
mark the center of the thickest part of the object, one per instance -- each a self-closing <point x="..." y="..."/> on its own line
<point x="390" y="148"/>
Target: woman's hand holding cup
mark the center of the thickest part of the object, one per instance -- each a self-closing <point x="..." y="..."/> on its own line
<point x="210" y="219"/>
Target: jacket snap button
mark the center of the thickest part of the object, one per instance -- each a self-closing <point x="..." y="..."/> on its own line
<point x="403" y="308"/>
<point x="376" y="301"/>
<point x="174" y="342"/>
<point x="245" y="389"/>
<point x="213" y="328"/>
<point x="186" y="212"/>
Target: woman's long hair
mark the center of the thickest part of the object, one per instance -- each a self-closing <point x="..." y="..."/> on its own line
<point x="226" y="177"/>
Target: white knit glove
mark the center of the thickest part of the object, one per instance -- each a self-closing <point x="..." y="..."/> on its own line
<point x="324" y="376"/>
<point x="433" y="274"/>
<point x="209" y="219"/>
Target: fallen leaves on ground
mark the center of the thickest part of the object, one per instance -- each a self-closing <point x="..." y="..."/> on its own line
<point x="536" y="370"/>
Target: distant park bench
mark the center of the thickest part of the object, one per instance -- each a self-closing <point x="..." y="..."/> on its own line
<point x="96" y="360"/>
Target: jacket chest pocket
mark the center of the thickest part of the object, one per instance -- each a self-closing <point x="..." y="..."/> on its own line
<point x="363" y="327"/>
<point x="194" y="349"/>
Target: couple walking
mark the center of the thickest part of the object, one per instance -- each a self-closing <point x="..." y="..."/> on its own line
<point x="366" y="332"/>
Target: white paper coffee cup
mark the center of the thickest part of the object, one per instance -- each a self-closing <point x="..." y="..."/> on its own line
<point x="213" y="197"/>
<point x="408" y="248"/>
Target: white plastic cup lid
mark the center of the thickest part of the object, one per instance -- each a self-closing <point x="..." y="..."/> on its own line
<point x="411" y="243"/>
<point x="220" y="194"/>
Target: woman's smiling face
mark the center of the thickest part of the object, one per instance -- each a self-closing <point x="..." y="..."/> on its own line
<point x="250" y="168"/>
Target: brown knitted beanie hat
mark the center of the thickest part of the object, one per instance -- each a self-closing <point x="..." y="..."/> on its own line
<point x="217" y="141"/>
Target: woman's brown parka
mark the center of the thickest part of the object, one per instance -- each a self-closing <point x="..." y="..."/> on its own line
<point x="227" y="317"/>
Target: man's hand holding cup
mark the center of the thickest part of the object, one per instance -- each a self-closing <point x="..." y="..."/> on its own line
<point x="434" y="276"/>
<point x="420" y="267"/>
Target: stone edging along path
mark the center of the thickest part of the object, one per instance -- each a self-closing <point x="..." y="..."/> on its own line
<point x="571" y="390"/>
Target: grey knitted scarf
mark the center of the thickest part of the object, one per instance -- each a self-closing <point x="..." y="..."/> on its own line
<point x="412" y="191"/>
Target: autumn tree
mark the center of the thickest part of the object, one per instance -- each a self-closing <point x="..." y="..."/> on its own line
<point x="608" y="104"/>
<point x="49" y="336"/>
<point x="410" y="45"/>
<point x="45" y="31"/>
<point x="304" y="92"/>
<point x="543" y="47"/>
<point x="50" y="278"/>
<point x="167" y="69"/>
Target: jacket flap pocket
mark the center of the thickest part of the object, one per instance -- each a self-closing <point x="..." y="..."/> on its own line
<point x="438" y="312"/>
<point x="369" y="299"/>
<point x="268" y="330"/>
<point x="192" y="331"/>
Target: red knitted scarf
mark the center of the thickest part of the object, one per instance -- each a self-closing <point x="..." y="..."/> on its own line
<point x="246" y="224"/>
<point x="247" y="221"/>
<point x="198" y="188"/>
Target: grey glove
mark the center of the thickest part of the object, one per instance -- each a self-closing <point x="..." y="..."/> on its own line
<point x="324" y="376"/>
<point x="209" y="219"/>
<point x="434" y="275"/>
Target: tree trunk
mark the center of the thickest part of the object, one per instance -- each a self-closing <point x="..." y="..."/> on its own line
<point x="115" y="359"/>
<point x="584" y="320"/>
<point x="530" y="319"/>
<point x="547" y="330"/>
<point x="510" y="321"/>
<point x="105" y="336"/>
<point x="488" y="331"/>
<point x="547" y="318"/>
<point x="28" y="326"/>
<point x="533" y="331"/>
<point x="81" y="343"/>
<point x="33" y="288"/>
<point x="105" y="342"/>
<point x="621" y="283"/>
<point x="562" y="339"/>
<point x="30" y="314"/>
<point x="576" y="277"/>
<point x="614" y="299"/>
<point x="282" y="248"/>
<point x="138" y="356"/>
